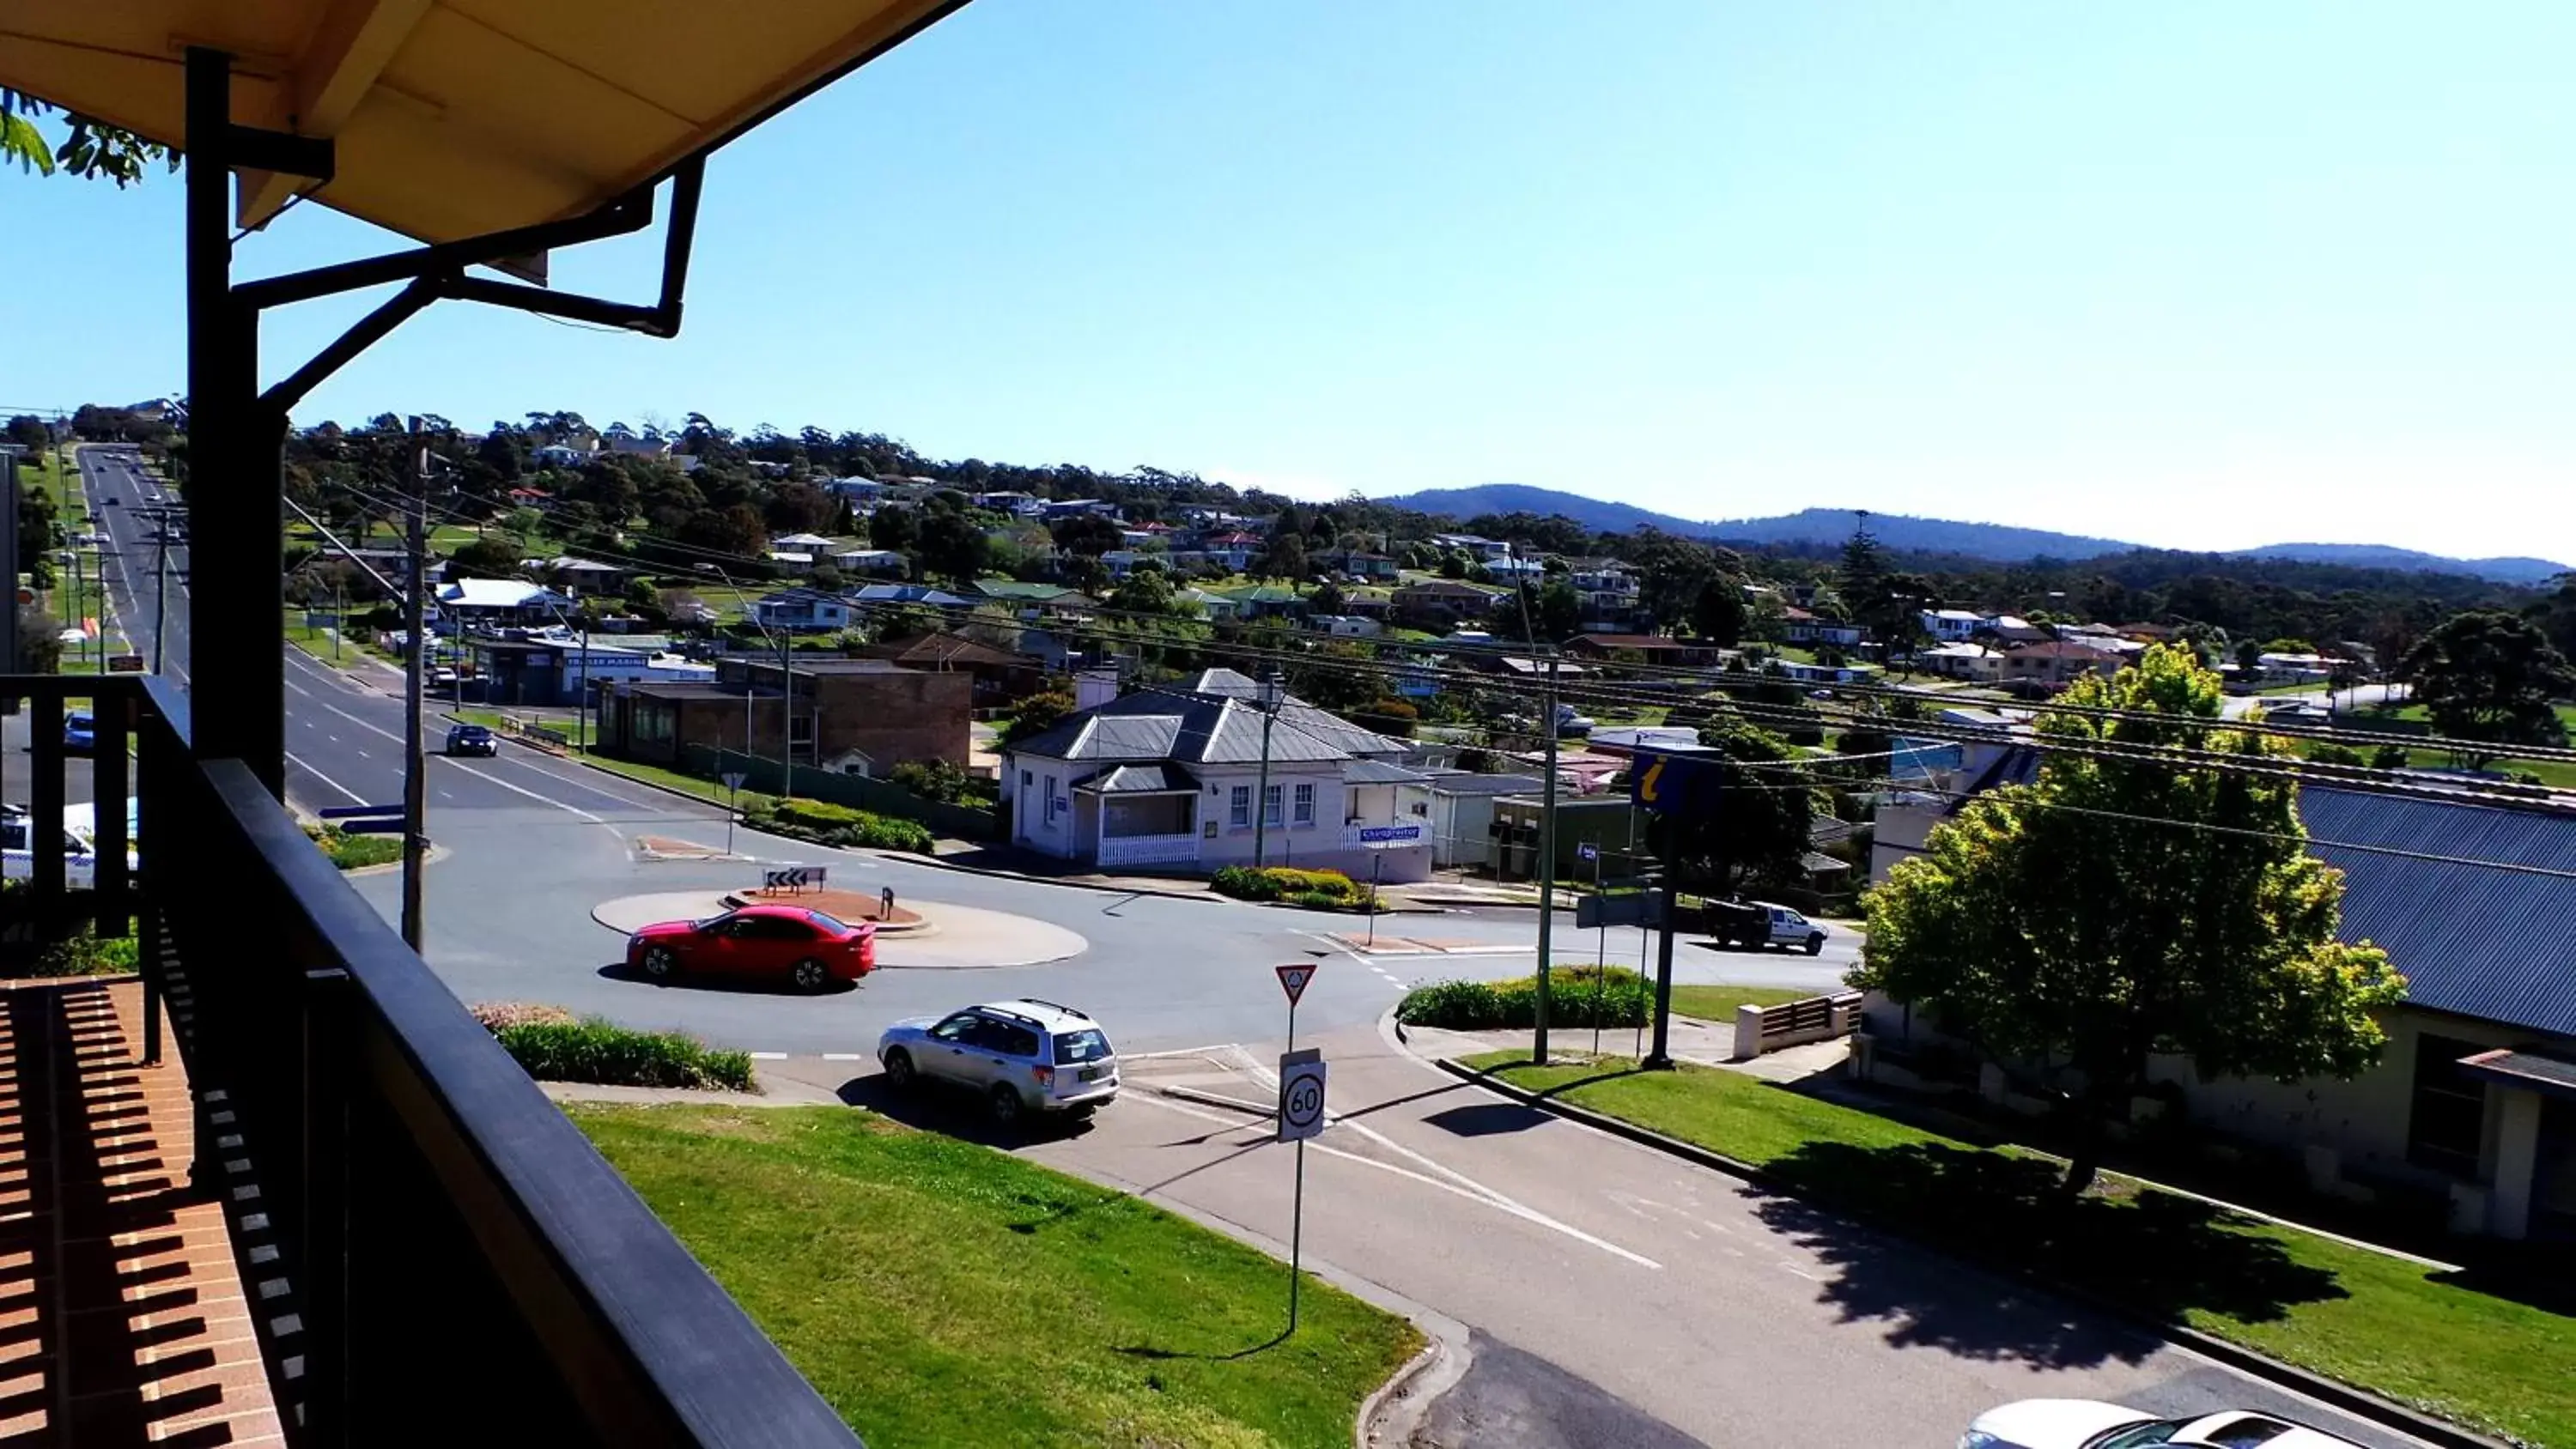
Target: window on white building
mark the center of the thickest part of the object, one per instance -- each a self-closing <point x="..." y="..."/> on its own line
<point x="1305" y="805"/>
<point x="1270" y="798"/>
<point x="1239" y="808"/>
<point x="1050" y="802"/>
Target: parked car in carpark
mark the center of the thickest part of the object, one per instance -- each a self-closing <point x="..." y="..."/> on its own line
<point x="471" y="739"/>
<point x="1020" y="1056"/>
<point x="80" y="732"/>
<point x="806" y="949"/>
<point x="1753" y="925"/>
<point x="2089" y="1424"/>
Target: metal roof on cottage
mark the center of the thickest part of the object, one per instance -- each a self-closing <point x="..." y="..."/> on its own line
<point x="2472" y="939"/>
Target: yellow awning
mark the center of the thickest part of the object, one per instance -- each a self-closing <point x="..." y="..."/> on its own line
<point x="453" y="118"/>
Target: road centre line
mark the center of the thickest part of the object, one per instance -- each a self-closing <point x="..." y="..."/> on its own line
<point x="1485" y="1196"/>
<point x="541" y="799"/>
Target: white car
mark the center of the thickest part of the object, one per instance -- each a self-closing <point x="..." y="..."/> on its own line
<point x="1020" y="1056"/>
<point x="80" y="862"/>
<point x="2089" y="1424"/>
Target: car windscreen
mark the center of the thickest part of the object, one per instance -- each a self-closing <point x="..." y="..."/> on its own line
<point x="1087" y="1045"/>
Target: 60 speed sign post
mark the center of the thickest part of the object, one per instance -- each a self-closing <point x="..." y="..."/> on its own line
<point x="1301" y="1115"/>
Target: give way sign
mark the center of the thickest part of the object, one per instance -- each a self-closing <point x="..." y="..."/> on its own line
<point x="1293" y="979"/>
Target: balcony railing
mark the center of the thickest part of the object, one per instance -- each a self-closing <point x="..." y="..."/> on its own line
<point x="439" y="1255"/>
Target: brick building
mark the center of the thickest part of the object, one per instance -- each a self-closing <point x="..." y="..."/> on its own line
<point x="861" y="716"/>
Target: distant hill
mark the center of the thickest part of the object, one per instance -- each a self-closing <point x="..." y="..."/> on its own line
<point x="1593" y="513"/>
<point x="1905" y="534"/>
<point x="1994" y="542"/>
<point x="2386" y="556"/>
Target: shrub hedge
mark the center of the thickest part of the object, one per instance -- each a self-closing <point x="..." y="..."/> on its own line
<point x="1322" y="888"/>
<point x="825" y="823"/>
<point x="350" y="852"/>
<point x="617" y="1056"/>
<point x="1578" y="995"/>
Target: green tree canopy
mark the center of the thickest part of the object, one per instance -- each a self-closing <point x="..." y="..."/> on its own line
<point x="1758" y="832"/>
<point x="2490" y="675"/>
<point x="2116" y="910"/>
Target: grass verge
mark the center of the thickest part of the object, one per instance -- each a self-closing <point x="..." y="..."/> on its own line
<point x="939" y="1293"/>
<point x="2397" y="1328"/>
<point x="1718" y="1003"/>
<point x="355" y="852"/>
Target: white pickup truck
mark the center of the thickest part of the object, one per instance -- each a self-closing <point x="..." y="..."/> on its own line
<point x="1753" y="925"/>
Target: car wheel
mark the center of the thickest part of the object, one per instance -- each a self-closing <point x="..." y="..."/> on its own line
<point x="810" y="975"/>
<point x="1815" y="945"/>
<point x="1006" y="1105"/>
<point x="660" y="963"/>
<point x="899" y="1070"/>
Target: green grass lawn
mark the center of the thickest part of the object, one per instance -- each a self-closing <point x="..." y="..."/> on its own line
<point x="2382" y="1323"/>
<point x="941" y="1293"/>
<point x="1718" y="1003"/>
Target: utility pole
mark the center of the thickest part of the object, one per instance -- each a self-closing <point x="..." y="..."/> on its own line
<point x="1546" y="868"/>
<point x="415" y="771"/>
<point x="1269" y="701"/>
<point x="160" y="583"/>
<point x="786" y="719"/>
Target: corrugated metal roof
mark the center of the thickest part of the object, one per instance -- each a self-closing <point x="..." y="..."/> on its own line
<point x="1379" y="772"/>
<point x="2495" y="944"/>
<point x="1142" y="780"/>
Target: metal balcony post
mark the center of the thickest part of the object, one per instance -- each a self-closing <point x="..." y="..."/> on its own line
<point x="233" y="443"/>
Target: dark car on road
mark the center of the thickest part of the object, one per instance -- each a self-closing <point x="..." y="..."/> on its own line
<point x="80" y="732"/>
<point x="807" y="949"/>
<point x="466" y="739"/>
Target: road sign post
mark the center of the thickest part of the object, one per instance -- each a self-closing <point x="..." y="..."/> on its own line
<point x="1301" y="1115"/>
<point x="1674" y="785"/>
<point x="733" y="804"/>
<point x="1292" y="980"/>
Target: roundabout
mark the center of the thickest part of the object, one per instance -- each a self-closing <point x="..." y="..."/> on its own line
<point x="922" y="935"/>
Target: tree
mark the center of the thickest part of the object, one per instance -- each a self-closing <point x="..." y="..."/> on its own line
<point x="894" y="528"/>
<point x="2555" y="615"/>
<point x="951" y="546"/>
<point x="1454" y="565"/>
<point x="1327" y="599"/>
<point x="2115" y="910"/>
<point x="2490" y="675"/>
<point x="1672" y="574"/>
<point x="1035" y="715"/>
<point x="1719" y="616"/>
<point x="1284" y="557"/>
<point x="799" y="508"/>
<point x="1758" y="831"/>
<point x="90" y="148"/>
<point x="487" y="558"/>
<point x="1087" y="535"/>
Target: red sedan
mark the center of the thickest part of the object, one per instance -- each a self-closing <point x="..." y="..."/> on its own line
<point x="807" y="949"/>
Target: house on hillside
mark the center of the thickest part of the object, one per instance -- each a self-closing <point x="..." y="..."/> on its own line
<point x="2057" y="662"/>
<point x="491" y="603"/>
<point x="804" y="611"/>
<point x="1000" y="675"/>
<point x="1439" y="604"/>
<point x="1803" y="626"/>
<point x="582" y="576"/>
<point x="1176" y="778"/>
<point x="1950" y="626"/>
<point x="1976" y="662"/>
<point x="1657" y="649"/>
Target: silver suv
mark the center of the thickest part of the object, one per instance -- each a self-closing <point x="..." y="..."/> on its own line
<point x="1021" y="1056"/>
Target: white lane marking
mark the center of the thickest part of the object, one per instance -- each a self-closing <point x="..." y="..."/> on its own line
<point x="528" y="762"/>
<point x="363" y="724"/>
<point x="446" y="794"/>
<point x="533" y="795"/>
<point x="1198" y="1051"/>
<point x="354" y="797"/>
<point x="845" y="1056"/>
<point x="1792" y="1268"/>
<point x="364" y="755"/>
<point x="766" y="1056"/>
<point x="1485" y="1196"/>
<point x="1461" y="1181"/>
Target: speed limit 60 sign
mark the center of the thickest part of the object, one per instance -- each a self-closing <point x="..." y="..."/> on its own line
<point x="1301" y="1094"/>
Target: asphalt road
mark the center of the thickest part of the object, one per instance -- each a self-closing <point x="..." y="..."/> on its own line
<point x="1730" y="1314"/>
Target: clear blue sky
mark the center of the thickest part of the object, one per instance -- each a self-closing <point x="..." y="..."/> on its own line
<point x="2207" y="275"/>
